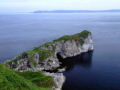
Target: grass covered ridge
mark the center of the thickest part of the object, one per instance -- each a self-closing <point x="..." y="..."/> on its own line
<point x="83" y="34"/>
<point x="11" y="80"/>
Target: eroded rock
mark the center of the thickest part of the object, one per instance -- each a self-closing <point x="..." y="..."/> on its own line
<point x="45" y="57"/>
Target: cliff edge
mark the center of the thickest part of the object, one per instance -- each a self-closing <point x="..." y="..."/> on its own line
<point x="45" y="57"/>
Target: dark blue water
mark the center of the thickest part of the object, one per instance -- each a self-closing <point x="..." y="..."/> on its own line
<point x="101" y="71"/>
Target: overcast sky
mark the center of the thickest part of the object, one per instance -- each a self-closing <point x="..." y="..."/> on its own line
<point x="32" y="5"/>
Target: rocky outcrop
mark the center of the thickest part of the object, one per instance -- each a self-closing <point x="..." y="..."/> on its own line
<point x="72" y="48"/>
<point x="58" y="78"/>
<point x="45" y="57"/>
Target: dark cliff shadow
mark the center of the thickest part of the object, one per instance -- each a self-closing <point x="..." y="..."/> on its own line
<point x="84" y="60"/>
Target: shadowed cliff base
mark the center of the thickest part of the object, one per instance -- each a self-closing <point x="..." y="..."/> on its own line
<point x="84" y="60"/>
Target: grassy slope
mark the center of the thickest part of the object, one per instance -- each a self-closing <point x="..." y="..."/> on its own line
<point x="10" y="80"/>
<point x="38" y="78"/>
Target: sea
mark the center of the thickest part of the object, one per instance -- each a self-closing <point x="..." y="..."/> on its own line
<point x="97" y="70"/>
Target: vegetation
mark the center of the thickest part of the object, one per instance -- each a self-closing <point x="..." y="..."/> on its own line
<point x="43" y="53"/>
<point x="77" y="37"/>
<point x="83" y="34"/>
<point x="33" y="61"/>
<point x="11" y="80"/>
<point x="46" y="44"/>
<point x="31" y="52"/>
<point x="13" y="60"/>
<point x="65" y="38"/>
<point x="38" y="78"/>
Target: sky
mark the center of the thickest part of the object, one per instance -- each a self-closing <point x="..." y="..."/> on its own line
<point x="33" y="5"/>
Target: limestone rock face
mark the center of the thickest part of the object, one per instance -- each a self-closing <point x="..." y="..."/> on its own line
<point x="45" y="57"/>
<point x="58" y="78"/>
<point x="88" y="44"/>
<point x="72" y="48"/>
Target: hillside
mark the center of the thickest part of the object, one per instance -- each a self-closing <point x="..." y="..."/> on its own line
<point x="11" y="80"/>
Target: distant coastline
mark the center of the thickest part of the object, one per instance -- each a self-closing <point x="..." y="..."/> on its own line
<point x="76" y="11"/>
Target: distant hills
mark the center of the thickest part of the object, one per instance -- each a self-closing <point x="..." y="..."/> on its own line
<point x="77" y="11"/>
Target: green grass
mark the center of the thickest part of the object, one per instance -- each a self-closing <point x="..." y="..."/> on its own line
<point x="38" y="78"/>
<point x="31" y="52"/>
<point x="84" y="34"/>
<point x="13" y="60"/>
<point x="65" y="37"/>
<point x="33" y="61"/>
<point x="9" y="80"/>
<point x="46" y="44"/>
<point x="37" y="50"/>
<point x="44" y="54"/>
<point x="13" y="80"/>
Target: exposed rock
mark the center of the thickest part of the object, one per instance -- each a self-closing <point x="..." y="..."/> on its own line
<point x="58" y="78"/>
<point x="45" y="57"/>
<point x="61" y="70"/>
<point x="24" y="55"/>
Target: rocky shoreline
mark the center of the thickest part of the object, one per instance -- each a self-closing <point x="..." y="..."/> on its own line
<point x="58" y="78"/>
<point x="48" y="55"/>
